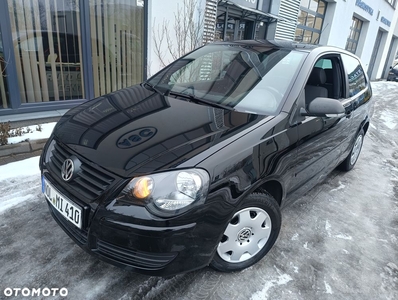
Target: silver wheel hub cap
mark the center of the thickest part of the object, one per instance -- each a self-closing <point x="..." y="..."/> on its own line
<point x="356" y="149"/>
<point x="245" y="236"/>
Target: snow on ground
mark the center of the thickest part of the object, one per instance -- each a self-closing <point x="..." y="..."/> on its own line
<point x="18" y="180"/>
<point x="45" y="132"/>
<point x="389" y="120"/>
<point x="26" y="167"/>
<point x="25" y="173"/>
<point x="282" y="279"/>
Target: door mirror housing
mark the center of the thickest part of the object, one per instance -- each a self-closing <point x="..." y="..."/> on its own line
<point x="324" y="107"/>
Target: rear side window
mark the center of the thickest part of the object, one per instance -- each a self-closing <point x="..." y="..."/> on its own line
<point x="356" y="75"/>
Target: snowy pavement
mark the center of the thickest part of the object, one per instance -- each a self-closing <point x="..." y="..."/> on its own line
<point x="340" y="241"/>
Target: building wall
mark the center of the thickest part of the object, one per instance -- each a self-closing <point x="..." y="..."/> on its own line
<point x="339" y="18"/>
<point x="337" y="22"/>
<point x="289" y="10"/>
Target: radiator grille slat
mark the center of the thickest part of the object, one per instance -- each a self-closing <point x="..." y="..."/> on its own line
<point x="139" y="259"/>
<point x="90" y="182"/>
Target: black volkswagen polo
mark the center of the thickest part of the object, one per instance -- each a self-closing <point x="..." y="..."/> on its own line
<point x="192" y="167"/>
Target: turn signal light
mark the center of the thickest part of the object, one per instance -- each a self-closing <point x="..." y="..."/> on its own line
<point x="143" y="188"/>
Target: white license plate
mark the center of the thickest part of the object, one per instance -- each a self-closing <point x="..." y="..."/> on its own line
<point x="66" y="207"/>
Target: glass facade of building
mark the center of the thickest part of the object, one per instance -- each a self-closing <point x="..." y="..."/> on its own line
<point x="117" y="34"/>
<point x="353" y="38"/>
<point x="393" y="3"/>
<point x="47" y="49"/>
<point x="71" y="50"/>
<point x="310" y="21"/>
<point x="3" y="84"/>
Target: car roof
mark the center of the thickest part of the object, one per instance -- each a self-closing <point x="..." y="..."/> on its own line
<point x="271" y="43"/>
<point x="286" y="44"/>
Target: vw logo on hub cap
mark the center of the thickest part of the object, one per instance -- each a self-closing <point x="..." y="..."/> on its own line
<point x="67" y="170"/>
<point x="244" y="234"/>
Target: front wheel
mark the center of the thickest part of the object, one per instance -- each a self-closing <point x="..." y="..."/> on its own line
<point x="249" y="235"/>
<point x="352" y="158"/>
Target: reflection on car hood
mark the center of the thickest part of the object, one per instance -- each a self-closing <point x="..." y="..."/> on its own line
<point x="136" y="131"/>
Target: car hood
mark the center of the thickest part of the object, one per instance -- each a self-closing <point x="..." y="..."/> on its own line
<point x="136" y="131"/>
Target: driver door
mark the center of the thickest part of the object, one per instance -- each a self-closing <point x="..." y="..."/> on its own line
<point x="321" y="139"/>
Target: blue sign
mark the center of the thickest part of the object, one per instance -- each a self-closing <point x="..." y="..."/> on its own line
<point x="364" y="6"/>
<point x="385" y="21"/>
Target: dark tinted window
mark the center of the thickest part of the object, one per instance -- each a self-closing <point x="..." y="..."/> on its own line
<point x="356" y="75"/>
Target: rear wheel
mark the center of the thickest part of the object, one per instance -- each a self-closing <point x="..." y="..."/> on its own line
<point x="352" y="158"/>
<point x="249" y="235"/>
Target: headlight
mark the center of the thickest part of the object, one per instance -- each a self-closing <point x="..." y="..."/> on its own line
<point x="168" y="192"/>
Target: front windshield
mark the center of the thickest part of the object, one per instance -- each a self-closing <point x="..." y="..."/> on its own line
<point x="250" y="79"/>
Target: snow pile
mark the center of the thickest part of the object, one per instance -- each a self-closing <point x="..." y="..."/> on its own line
<point x="45" y="132"/>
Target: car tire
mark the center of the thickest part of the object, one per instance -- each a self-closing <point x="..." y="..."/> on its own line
<point x="249" y="235"/>
<point x="352" y="158"/>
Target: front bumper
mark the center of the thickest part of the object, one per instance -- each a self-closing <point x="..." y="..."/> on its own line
<point x="135" y="240"/>
<point x="104" y="248"/>
<point x="128" y="235"/>
<point x="392" y="77"/>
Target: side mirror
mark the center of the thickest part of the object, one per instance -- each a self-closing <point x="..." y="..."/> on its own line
<point x="324" y="107"/>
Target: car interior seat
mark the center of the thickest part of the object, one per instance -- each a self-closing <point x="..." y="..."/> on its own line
<point x="314" y="87"/>
<point x="329" y="83"/>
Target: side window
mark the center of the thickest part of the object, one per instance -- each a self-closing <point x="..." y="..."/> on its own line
<point x="324" y="63"/>
<point x="356" y="75"/>
<point x="325" y="79"/>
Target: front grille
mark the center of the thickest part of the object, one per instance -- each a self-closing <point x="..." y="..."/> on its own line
<point x="80" y="236"/>
<point x="90" y="182"/>
<point x="138" y="259"/>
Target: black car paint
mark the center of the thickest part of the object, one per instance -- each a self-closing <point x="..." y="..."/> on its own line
<point x="286" y="154"/>
<point x="393" y="73"/>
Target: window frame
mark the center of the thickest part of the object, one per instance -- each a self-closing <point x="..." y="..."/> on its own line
<point x="312" y="29"/>
<point x="337" y="61"/>
<point x="353" y="31"/>
<point x="393" y="3"/>
<point x="348" y="95"/>
<point x="14" y="97"/>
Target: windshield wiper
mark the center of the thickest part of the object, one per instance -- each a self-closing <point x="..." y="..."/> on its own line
<point x="199" y="100"/>
<point x="152" y="87"/>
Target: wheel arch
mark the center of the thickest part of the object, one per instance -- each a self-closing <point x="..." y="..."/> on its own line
<point x="274" y="188"/>
<point x="366" y="127"/>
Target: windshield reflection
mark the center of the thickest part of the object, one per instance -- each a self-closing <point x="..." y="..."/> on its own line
<point x="249" y="79"/>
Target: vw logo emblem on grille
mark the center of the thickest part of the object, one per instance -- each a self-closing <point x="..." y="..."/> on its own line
<point x="67" y="170"/>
